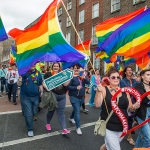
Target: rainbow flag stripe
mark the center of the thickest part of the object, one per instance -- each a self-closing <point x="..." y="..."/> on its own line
<point x="12" y="55"/>
<point x="131" y="38"/>
<point x="106" y="28"/>
<point x="44" y="37"/>
<point x="3" y="35"/>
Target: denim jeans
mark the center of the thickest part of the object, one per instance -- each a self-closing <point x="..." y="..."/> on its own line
<point x="4" y="83"/>
<point x="29" y="106"/>
<point x="61" y="99"/>
<point x="12" y="89"/>
<point x="93" y="92"/>
<point x="143" y="139"/>
<point x="76" y="104"/>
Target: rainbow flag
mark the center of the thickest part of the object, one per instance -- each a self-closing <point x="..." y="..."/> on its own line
<point x="106" y="28"/>
<point x="132" y="37"/>
<point x="44" y="37"/>
<point x="128" y="61"/>
<point x="142" y="62"/>
<point x="3" y="34"/>
<point x="12" y="55"/>
<point x="85" y="51"/>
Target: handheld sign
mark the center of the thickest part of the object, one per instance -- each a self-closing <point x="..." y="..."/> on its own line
<point x="58" y="79"/>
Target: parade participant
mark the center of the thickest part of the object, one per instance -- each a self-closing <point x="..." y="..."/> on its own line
<point x="143" y="113"/>
<point x="3" y="72"/>
<point x="76" y="93"/>
<point x="95" y="80"/>
<point x="12" y="78"/>
<point x="31" y="84"/>
<point x="114" y="126"/>
<point x="128" y="81"/>
<point x="60" y="94"/>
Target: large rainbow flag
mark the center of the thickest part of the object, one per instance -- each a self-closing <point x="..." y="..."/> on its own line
<point x="83" y="48"/>
<point x="106" y="28"/>
<point x="3" y="34"/>
<point x="44" y="37"/>
<point x="132" y="38"/>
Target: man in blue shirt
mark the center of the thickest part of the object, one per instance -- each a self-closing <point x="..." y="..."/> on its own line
<point x="30" y="90"/>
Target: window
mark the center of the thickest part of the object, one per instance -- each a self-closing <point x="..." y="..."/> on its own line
<point x="81" y="2"/>
<point x="115" y="5"/>
<point x="81" y="34"/>
<point x="96" y="61"/>
<point x="94" y="38"/>
<point x="60" y="23"/>
<point x="60" y="11"/>
<point x="137" y="1"/>
<point x="95" y="10"/>
<point x="69" y="5"/>
<point x="81" y="16"/>
<point x="68" y="35"/>
<point x="68" y="22"/>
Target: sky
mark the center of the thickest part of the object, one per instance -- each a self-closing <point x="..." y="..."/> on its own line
<point x="20" y="13"/>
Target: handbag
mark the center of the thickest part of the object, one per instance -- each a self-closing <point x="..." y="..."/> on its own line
<point x="100" y="125"/>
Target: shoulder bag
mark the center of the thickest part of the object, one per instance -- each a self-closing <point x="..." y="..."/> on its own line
<point x="100" y="125"/>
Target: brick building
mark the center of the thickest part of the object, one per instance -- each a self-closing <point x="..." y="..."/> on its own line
<point x="89" y="14"/>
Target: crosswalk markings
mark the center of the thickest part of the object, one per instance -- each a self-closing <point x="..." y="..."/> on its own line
<point x="38" y="137"/>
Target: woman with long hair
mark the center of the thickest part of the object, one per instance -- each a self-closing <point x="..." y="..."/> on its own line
<point x="143" y="113"/>
<point x="60" y="94"/>
<point x="114" y="126"/>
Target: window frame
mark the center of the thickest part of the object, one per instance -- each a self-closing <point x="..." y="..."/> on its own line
<point x="68" y="22"/>
<point x="60" y="11"/>
<point x="69" y="5"/>
<point x="140" y="1"/>
<point x="96" y="61"/>
<point x="94" y="37"/>
<point x="95" y="10"/>
<point x="81" y="16"/>
<point x="82" y="37"/>
<point x="68" y="33"/>
<point x="82" y="2"/>
<point x="112" y="4"/>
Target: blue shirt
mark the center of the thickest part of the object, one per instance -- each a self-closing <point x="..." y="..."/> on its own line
<point x="28" y="87"/>
<point x="3" y="72"/>
<point x="72" y="87"/>
<point x="126" y="83"/>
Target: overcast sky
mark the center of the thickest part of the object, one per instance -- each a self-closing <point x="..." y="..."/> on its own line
<point x="20" y="13"/>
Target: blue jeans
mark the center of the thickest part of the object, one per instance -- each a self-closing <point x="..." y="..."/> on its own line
<point x="4" y="83"/>
<point x="61" y="99"/>
<point x="29" y="106"/>
<point x="76" y="104"/>
<point x="93" y="92"/>
<point x="12" y="89"/>
<point x="143" y="139"/>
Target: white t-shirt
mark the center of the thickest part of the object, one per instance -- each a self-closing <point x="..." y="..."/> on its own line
<point x="12" y="75"/>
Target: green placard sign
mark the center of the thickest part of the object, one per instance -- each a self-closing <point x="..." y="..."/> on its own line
<point x="58" y="79"/>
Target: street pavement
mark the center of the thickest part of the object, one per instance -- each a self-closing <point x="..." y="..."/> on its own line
<point x="13" y="133"/>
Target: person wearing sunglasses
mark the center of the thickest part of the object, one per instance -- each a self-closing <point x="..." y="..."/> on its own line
<point x="143" y="113"/>
<point x="128" y="81"/>
<point x="114" y="126"/>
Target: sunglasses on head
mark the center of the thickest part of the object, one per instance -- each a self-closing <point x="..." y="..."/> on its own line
<point x="113" y="77"/>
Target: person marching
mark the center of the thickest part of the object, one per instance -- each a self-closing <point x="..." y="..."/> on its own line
<point x="60" y="94"/>
<point x="114" y="126"/>
<point x="76" y="93"/>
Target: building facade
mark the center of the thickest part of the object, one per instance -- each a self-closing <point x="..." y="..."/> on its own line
<point x="65" y="22"/>
<point x="89" y="14"/>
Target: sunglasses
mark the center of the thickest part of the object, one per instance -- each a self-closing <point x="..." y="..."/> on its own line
<point x="113" y="77"/>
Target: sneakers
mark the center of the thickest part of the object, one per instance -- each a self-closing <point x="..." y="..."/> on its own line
<point x="72" y="121"/>
<point x="30" y="134"/>
<point x="34" y="118"/>
<point x="85" y="111"/>
<point x="48" y="127"/>
<point x="15" y="103"/>
<point x="65" y="131"/>
<point x="79" y="131"/>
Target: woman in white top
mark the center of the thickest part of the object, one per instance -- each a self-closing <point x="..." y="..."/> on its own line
<point x="12" y="77"/>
